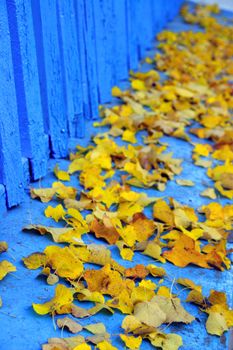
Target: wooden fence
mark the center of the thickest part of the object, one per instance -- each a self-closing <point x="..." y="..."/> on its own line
<point x="59" y="60"/>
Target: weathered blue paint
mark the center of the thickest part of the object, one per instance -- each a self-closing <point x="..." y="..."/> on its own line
<point x="11" y="172"/>
<point x="132" y="47"/>
<point x="70" y="64"/>
<point x="79" y="18"/>
<point x="59" y="62"/>
<point x="52" y="68"/>
<point x="90" y="46"/>
<point x="33" y="143"/>
<point x="120" y="54"/>
<point x="104" y="44"/>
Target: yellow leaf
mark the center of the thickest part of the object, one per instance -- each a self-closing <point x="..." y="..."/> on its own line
<point x="116" y="91"/>
<point x="209" y="193"/>
<point x="154" y="250"/>
<point x="96" y="328"/>
<point x="186" y="282"/>
<point x="95" y="297"/>
<point x="131" y="342"/>
<point x="129" y="136"/>
<point x="166" y="341"/>
<point x="156" y="271"/>
<point x="147" y="284"/>
<point x="60" y="234"/>
<point x="216" y="324"/>
<point x="34" y="261"/>
<point x="172" y="308"/>
<point x="55" y="213"/>
<point x="82" y="346"/>
<point x="128" y="234"/>
<point x="63" y="297"/>
<point x="105" y="345"/>
<point x="127" y="254"/>
<point x="183" y="182"/>
<point x="122" y="302"/>
<point x="5" y="268"/>
<point x="130" y="323"/>
<point x="149" y="313"/>
<point x="141" y="293"/>
<point x="64" y="192"/>
<point x="64" y="262"/>
<point x="138" y="85"/>
<point x="202" y="149"/>
<point x="3" y="247"/>
<point x="45" y="194"/>
<point x="163" y="212"/>
<point x="61" y="174"/>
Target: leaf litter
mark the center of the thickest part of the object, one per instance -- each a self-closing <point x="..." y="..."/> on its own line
<point x="196" y="98"/>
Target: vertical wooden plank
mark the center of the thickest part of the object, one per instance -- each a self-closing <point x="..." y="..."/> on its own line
<point x="90" y="45"/>
<point x="103" y="24"/>
<point x="34" y="143"/>
<point x="79" y="19"/>
<point x="144" y="23"/>
<point x="158" y="14"/>
<point x="132" y="46"/>
<point x="11" y="173"/>
<point x="50" y="74"/>
<point x="71" y="65"/>
<point x="120" y="40"/>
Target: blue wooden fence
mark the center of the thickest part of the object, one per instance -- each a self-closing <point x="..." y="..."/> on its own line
<point x="59" y="60"/>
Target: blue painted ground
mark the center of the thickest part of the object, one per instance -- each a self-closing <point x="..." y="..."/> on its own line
<point x="22" y="329"/>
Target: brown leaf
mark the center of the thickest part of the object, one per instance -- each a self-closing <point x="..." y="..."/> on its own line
<point x="67" y="322"/>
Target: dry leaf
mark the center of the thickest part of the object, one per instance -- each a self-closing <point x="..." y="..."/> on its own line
<point x="67" y="322"/>
<point x="5" y="268"/>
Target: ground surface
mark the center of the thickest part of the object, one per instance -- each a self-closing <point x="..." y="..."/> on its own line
<point x="22" y="329"/>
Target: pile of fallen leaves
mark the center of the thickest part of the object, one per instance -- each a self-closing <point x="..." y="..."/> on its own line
<point x="196" y="98"/>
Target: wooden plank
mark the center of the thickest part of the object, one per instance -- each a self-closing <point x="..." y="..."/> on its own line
<point x="103" y="24"/>
<point x="158" y="15"/>
<point x="90" y="46"/>
<point x="79" y="19"/>
<point x="120" y="40"/>
<point x="71" y="65"/>
<point x="34" y="142"/>
<point x="132" y="45"/>
<point x="11" y="173"/>
<point x="50" y="74"/>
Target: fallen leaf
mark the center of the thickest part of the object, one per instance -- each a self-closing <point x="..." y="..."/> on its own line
<point x="131" y="342"/>
<point x="67" y="322"/>
<point x="63" y="298"/>
<point x="5" y="268"/>
<point x="183" y="182"/>
<point x="3" y="247"/>
<point x="56" y="213"/>
<point x="61" y="174"/>
<point x="96" y="328"/>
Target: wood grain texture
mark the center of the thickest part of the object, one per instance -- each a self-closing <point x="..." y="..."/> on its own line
<point x="11" y="172"/>
<point x="71" y="65"/>
<point x="51" y="74"/>
<point x="103" y="22"/>
<point x="34" y="144"/>
<point x="90" y="47"/>
<point x="59" y="60"/>
<point x="120" y="59"/>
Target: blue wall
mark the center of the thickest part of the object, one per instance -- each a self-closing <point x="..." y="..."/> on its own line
<point x="59" y="60"/>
